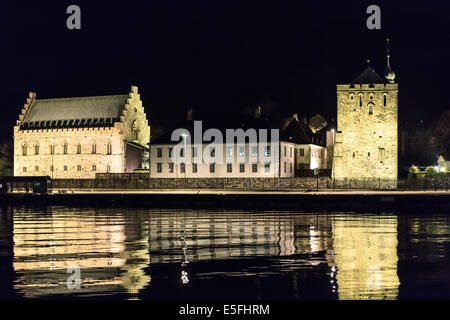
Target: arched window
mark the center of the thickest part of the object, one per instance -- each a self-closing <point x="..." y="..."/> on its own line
<point x="135" y="130"/>
<point x="360" y="99"/>
<point x="65" y="148"/>
<point x="384" y="99"/>
<point x="109" y="148"/>
<point x="24" y="149"/>
<point x="94" y="147"/>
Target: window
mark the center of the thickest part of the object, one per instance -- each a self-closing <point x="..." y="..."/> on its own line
<point x="24" y="169"/>
<point x="229" y="151"/>
<point x="194" y="152"/>
<point x="159" y="152"/>
<point x="65" y="168"/>
<point x="381" y="154"/>
<point x="182" y="152"/>
<point x="78" y="168"/>
<point x="170" y="152"/>
<point x="135" y="130"/>
<point x="109" y="148"/>
<point x="159" y="167"/>
<point x="52" y="168"/>
<point x="285" y="167"/>
<point x="36" y="168"/>
<point x="285" y="152"/>
<point x="353" y="155"/>
<point x="242" y="151"/>
<point x="384" y="99"/>
<point x="94" y="167"/>
<point x="171" y="167"/>
<point x="267" y="153"/>
<point x="94" y="148"/>
<point x="242" y="167"/>
<point x="78" y="148"/>
<point x="360" y="99"/>
<point x="65" y="148"/>
<point x="182" y="167"/>
<point x="255" y="151"/>
<point x="229" y="167"/>
<point x="370" y="109"/>
<point x="302" y="152"/>
<point x="108" y="168"/>
<point x="267" y="167"/>
<point x="36" y="149"/>
<point x="368" y="154"/>
<point x="290" y="167"/>
<point x="212" y="168"/>
<point x="194" y="168"/>
<point x="254" y="167"/>
<point x="52" y="148"/>
<point x="290" y="152"/>
<point x="24" y="150"/>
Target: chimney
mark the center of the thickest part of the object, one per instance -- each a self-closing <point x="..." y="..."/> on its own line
<point x="257" y="112"/>
<point x="190" y="115"/>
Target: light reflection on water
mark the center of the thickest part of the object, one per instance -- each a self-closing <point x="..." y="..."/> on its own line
<point x="180" y="254"/>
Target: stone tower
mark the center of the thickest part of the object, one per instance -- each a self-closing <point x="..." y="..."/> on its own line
<point x="366" y="138"/>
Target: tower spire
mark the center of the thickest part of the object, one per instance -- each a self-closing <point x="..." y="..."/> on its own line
<point x="388" y="73"/>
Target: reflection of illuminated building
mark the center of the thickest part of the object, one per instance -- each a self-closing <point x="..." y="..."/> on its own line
<point x="46" y="245"/>
<point x="366" y="257"/>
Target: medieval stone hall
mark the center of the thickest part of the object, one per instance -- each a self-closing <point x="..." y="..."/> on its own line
<point x="79" y="137"/>
<point x="367" y="120"/>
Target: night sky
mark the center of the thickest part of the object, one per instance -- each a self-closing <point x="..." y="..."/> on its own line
<point x="222" y="58"/>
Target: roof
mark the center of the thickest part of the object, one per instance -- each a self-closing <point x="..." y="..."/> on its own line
<point x="369" y="76"/>
<point x="75" y="112"/>
<point x="297" y="132"/>
<point x="243" y="124"/>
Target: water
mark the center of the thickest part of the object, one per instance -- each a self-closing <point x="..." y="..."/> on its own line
<point x="193" y="254"/>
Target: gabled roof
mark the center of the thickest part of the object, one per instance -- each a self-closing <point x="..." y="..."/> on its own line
<point x="297" y="132"/>
<point x="369" y="76"/>
<point x="74" y="112"/>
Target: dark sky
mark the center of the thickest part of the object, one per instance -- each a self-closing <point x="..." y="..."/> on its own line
<point x="222" y="57"/>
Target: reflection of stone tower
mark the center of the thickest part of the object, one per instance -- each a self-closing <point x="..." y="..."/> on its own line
<point x="366" y="140"/>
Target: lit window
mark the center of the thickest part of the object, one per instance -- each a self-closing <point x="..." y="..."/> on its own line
<point x="267" y="153"/>
<point x="229" y="151"/>
<point x="242" y="151"/>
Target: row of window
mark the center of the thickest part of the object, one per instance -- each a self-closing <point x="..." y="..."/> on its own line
<point x="381" y="154"/>
<point x="212" y="167"/>
<point x="212" y="152"/>
<point x="79" y="168"/>
<point x="65" y="149"/>
<point x="371" y="98"/>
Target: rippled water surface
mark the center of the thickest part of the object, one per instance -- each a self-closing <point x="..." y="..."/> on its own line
<point x="191" y="254"/>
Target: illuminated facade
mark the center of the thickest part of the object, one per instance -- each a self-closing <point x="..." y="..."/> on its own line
<point x="366" y="138"/>
<point x="79" y="137"/>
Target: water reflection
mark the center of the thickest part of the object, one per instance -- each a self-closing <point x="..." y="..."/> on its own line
<point x="176" y="254"/>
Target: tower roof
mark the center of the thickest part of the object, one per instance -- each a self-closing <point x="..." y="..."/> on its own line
<point x="368" y="76"/>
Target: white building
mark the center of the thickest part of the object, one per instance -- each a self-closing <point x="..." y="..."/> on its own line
<point x="247" y="160"/>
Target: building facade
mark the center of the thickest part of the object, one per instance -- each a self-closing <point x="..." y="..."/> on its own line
<point x="79" y="137"/>
<point x="366" y="139"/>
